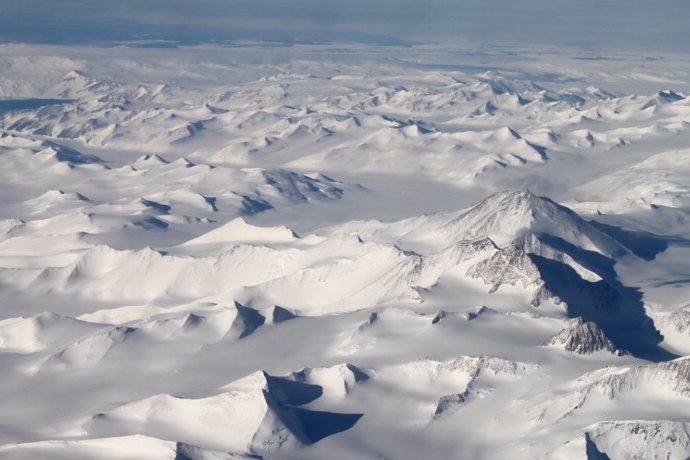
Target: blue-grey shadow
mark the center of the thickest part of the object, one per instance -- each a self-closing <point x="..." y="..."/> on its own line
<point x="644" y="245"/>
<point x="617" y="309"/>
<point x="309" y="426"/>
<point x="9" y="105"/>
<point x="318" y="425"/>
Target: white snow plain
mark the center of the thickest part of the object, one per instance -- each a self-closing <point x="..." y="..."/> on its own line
<point x="351" y="252"/>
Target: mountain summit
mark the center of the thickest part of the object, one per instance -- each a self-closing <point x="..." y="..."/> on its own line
<point x="509" y="215"/>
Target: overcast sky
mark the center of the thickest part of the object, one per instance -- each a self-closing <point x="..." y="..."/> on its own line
<point x="610" y="25"/>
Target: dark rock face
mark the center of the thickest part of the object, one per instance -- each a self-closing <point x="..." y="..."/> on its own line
<point x="583" y="338"/>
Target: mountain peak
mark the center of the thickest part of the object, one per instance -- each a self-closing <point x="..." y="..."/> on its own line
<point x="75" y="75"/>
<point x="583" y="338"/>
<point x="506" y="215"/>
<point x="510" y="214"/>
<point x="239" y="231"/>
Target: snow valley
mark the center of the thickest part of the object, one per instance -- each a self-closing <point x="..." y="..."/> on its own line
<point x="216" y="252"/>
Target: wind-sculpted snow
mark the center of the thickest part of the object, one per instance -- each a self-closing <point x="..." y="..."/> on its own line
<point x="205" y="254"/>
<point x="646" y="386"/>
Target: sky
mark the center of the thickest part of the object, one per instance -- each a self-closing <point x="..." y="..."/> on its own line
<point x="606" y="25"/>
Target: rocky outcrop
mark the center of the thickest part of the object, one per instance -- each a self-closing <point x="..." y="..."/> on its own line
<point x="583" y="338"/>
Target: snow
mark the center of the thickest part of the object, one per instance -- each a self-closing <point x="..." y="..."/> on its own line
<point x="319" y="251"/>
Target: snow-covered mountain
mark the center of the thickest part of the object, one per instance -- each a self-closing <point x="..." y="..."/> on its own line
<point x="331" y="257"/>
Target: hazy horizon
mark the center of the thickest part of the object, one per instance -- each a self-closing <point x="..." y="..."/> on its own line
<point x="612" y="25"/>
